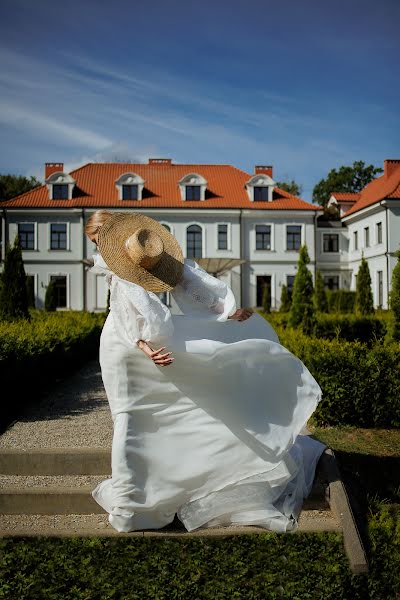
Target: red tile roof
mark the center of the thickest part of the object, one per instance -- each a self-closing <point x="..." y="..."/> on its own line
<point x="95" y="187"/>
<point x="346" y="196"/>
<point x="386" y="186"/>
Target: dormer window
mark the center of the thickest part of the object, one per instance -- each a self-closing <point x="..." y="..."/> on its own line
<point x="260" y="188"/>
<point x="130" y="186"/>
<point x="60" y="186"/>
<point x="193" y="187"/>
<point x="261" y="193"/>
<point x="60" y="191"/>
<point x="129" y="192"/>
<point x="193" y="192"/>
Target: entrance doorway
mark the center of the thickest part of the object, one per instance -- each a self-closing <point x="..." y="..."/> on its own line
<point x="262" y="281"/>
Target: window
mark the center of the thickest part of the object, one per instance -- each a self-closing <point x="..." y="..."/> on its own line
<point x="60" y="191"/>
<point x="194" y="241"/>
<point x="167" y="227"/>
<point x="355" y="240"/>
<point x="60" y="290"/>
<point x="366" y="237"/>
<point x="331" y="282"/>
<point x="380" y="289"/>
<point x="293" y="237"/>
<point x="379" y="234"/>
<point x="26" y="234"/>
<point x="290" y="284"/>
<point x="193" y="192"/>
<point x="58" y="236"/>
<point x="222" y="237"/>
<point x="261" y="193"/>
<point x="263" y="237"/>
<point x="129" y="192"/>
<point x="331" y="242"/>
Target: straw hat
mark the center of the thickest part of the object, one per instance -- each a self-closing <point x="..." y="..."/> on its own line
<point x="139" y="249"/>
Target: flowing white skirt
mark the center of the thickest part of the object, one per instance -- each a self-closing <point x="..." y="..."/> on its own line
<point x="215" y="437"/>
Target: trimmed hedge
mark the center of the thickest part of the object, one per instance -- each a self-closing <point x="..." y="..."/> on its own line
<point x="345" y="327"/>
<point x="360" y="385"/>
<point x="245" y="566"/>
<point x="33" y="354"/>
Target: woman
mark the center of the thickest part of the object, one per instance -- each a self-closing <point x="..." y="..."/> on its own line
<point x="214" y="438"/>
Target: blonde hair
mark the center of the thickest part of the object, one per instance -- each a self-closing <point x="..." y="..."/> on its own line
<point x="96" y="220"/>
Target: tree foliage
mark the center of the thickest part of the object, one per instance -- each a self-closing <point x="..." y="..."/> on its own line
<point x="286" y="300"/>
<point x="14" y="185"/>
<point x="364" y="298"/>
<point x="395" y="300"/>
<point x="302" y="309"/>
<point x="346" y="179"/>
<point x="13" y="290"/>
<point x="290" y="186"/>
<point x="320" y="298"/>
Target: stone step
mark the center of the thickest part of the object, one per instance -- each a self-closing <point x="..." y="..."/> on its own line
<point x="55" y="461"/>
<point x="64" y="499"/>
<point x="97" y="525"/>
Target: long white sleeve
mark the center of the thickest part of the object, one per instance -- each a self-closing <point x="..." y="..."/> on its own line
<point x="138" y="314"/>
<point x="204" y="295"/>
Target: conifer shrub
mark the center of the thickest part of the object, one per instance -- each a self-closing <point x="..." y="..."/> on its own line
<point x="266" y="298"/>
<point x="13" y="291"/>
<point x="364" y="299"/>
<point x="50" y="299"/>
<point x="302" y="308"/>
<point x="286" y="300"/>
<point x="394" y="330"/>
<point x="30" y="290"/>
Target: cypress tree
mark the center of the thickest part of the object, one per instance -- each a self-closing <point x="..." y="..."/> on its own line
<point x="302" y="309"/>
<point x="364" y="299"/>
<point x="395" y="300"/>
<point x="285" y="300"/>
<point x="266" y="298"/>
<point x="320" y="298"/>
<point x="13" y="292"/>
<point x="50" y="299"/>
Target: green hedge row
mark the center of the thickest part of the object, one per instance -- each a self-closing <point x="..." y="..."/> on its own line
<point x="245" y="566"/>
<point x="34" y="353"/>
<point x="360" y="385"/>
<point x="342" y="326"/>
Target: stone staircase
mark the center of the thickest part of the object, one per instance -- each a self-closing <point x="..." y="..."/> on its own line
<point x="48" y="492"/>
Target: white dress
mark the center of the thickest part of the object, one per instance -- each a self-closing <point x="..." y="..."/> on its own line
<point x="214" y="437"/>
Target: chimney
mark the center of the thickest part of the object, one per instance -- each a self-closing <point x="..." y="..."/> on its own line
<point x="390" y="166"/>
<point x="263" y="169"/>
<point x="50" y="168"/>
<point x="160" y="161"/>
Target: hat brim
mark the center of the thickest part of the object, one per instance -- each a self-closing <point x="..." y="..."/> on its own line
<point x="111" y="242"/>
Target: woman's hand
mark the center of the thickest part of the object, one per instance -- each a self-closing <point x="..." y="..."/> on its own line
<point x="163" y="360"/>
<point x="242" y="314"/>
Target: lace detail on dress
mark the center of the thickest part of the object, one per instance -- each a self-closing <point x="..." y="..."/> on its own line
<point x="200" y="292"/>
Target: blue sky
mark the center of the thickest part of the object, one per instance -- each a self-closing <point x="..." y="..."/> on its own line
<point x="303" y="85"/>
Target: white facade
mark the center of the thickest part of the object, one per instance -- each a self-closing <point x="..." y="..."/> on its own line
<point x="331" y="246"/>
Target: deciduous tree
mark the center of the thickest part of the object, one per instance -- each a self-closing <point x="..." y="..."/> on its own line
<point x="14" y="185"/>
<point x="346" y="179"/>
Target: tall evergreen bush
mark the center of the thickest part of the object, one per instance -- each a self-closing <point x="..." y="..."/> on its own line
<point x="320" y="297"/>
<point x="395" y="301"/>
<point x="30" y="290"/>
<point x="266" y="298"/>
<point x="302" y="310"/>
<point x="364" y="299"/>
<point x="50" y="299"/>
<point x="285" y="300"/>
<point x="13" y="292"/>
